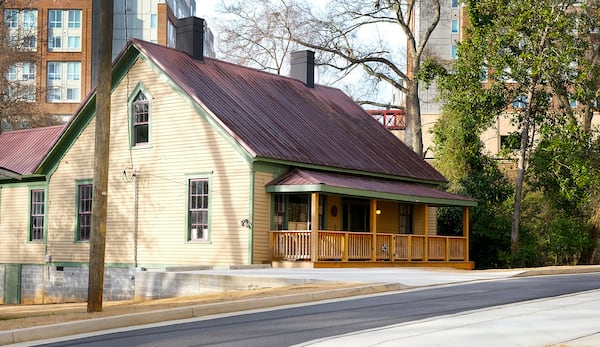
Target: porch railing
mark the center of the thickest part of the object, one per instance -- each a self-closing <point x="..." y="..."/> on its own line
<point x="356" y="246"/>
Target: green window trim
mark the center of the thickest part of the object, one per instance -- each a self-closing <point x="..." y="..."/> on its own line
<point x="140" y="117"/>
<point x="37" y="225"/>
<point x="86" y="216"/>
<point x="197" y="208"/>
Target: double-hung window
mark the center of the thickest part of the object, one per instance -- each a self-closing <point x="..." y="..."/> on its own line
<point x="141" y="112"/>
<point x="198" y="210"/>
<point x="84" y="212"/>
<point x="37" y="213"/>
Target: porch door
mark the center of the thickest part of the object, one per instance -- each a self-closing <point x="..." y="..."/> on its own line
<point x="356" y="216"/>
<point x="12" y="284"/>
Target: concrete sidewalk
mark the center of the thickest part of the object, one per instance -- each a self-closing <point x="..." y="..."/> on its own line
<point x="374" y="280"/>
<point x="570" y="320"/>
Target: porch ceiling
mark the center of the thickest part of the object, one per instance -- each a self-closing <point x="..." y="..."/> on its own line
<point x="305" y="181"/>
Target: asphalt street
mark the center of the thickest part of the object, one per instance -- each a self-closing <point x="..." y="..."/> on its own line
<point x="567" y="320"/>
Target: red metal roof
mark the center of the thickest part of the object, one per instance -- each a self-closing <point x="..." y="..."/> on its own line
<point x="302" y="177"/>
<point x="21" y="151"/>
<point x="277" y="117"/>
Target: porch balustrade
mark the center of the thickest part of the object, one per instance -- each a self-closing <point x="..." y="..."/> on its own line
<point x="357" y="246"/>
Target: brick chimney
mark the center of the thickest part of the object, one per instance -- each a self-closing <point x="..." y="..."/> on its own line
<point x="190" y="36"/>
<point x="303" y="67"/>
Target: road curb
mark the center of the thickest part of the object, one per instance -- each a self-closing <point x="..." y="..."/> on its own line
<point x="127" y="320"/>
<point x="559" y="270"/>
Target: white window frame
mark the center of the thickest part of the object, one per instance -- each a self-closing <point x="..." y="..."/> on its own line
<point x="63" y="81"/>
<point x="22" y="28"/>
<point x="198" y="206"/>
<point x="64" y="30"/>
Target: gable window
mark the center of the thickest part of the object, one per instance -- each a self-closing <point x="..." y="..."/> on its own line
<point x="141" y="112"/>
<point x="198" y="210"/>
<point x="84" y="211"/>
<point x="37" y="211"/>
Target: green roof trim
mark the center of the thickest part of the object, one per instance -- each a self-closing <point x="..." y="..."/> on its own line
<point x="343" y="171"/>
<point x="327" y="189"/>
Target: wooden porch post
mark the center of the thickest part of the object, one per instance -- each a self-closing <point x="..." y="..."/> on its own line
<point x="426" y="227"/>
<point x="466" y="231"/>
<point x="314" y="227"/>
<point x="373" y="229"/>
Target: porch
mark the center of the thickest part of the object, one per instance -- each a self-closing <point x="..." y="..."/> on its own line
<point x="294" y="248"/>
<point x="334" y="220"/>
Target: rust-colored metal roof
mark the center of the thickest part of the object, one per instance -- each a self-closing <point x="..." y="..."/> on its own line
<point x="412" y="191"/>
<point x="21" y="151"/>
<point x="279" y="118"/>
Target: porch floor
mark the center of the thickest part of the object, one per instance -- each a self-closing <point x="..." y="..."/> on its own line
<point x="463" y="265"/>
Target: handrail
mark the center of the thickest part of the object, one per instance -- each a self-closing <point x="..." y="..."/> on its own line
<point x="358" y="246"/>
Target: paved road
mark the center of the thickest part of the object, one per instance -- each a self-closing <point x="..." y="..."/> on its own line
<point x="373" y="320"/>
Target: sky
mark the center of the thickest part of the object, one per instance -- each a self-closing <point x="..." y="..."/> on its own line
<point x="205" y="9"/>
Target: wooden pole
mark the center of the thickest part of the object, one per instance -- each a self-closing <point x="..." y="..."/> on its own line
<point x="101" y="156"/>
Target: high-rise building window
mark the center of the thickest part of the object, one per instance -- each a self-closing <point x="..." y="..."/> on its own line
<point x="11" y="18"/>
<point x="11" y="73"/>
<point x="22" y="28"/>
<point x="21" y="81"/>
<point x="74" y="19"/>
<point x="63" y="81"/>
<point x="455" y="26"/>
<point x="64" y="30"/>
<point x="171" y="35"/>
<point x="153" y="21"/>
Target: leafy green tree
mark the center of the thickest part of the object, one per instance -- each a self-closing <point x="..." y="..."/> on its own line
<point x="565" y="169"/>
<point x="532" y="49"/>
<point x="469" y="109"/>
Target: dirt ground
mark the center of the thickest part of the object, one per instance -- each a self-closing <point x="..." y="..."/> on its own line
<point x="24" y="316"/>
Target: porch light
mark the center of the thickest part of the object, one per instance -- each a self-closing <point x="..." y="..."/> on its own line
<point x="377" y="211"/>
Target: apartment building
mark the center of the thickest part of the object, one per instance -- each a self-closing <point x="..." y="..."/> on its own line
<point x="65" y="36"/>
<point x="443" y="44"/>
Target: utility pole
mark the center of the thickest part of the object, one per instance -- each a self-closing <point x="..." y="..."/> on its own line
<point x="101" y="156"/>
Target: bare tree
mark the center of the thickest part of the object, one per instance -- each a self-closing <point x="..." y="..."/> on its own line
<point x="257" y="34"/>
<point x="19" y="92"/>
<point x="372" y="37"/>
